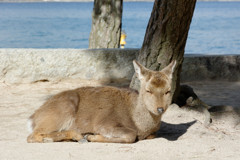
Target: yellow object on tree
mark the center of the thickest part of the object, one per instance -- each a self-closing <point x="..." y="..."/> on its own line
<point x="123" y="39"/>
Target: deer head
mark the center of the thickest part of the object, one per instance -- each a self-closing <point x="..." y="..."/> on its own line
<point x="155" y="89"/>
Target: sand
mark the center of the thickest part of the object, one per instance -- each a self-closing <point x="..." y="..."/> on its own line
<point x="182" y="135"/>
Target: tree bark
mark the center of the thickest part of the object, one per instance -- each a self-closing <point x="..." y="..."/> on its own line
<point x="166" y="37"/>
<point x="106" y="24"/>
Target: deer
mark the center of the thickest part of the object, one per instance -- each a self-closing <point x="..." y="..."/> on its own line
<point x="104" y="113"/>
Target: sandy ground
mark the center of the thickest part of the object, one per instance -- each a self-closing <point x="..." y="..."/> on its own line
<point x="182" y="135"/>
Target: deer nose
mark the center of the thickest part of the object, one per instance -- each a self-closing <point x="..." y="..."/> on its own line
<point x="160" y="110"/>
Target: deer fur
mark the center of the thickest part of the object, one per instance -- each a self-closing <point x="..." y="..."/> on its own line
<point x="106" y="114"/>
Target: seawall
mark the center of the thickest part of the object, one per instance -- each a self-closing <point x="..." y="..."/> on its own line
<point x="113" y="65"/>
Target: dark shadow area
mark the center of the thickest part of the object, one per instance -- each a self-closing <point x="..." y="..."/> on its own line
<point x="172" y="132"/>
<point x="184" y="93"/>
<point x="116" y="82"/>
<point x="222" y="112"/>
<point x="218" y="94"/>
<point x="223" y="108"/>
<point x="211" y="67"/>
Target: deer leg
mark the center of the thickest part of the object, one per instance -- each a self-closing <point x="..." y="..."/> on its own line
<point x="55" y="137"/>
<point x="151" y="136"/>
<point x="119" y="135"/>
<point x="70" y="135"/>
<point x="35" y="137"/>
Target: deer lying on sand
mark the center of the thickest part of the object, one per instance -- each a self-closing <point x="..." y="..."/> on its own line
<point x="105" y="114"/>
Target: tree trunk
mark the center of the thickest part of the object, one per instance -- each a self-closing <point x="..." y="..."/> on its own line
<point x="106" y="24"/>
<point x="165" y="37"/>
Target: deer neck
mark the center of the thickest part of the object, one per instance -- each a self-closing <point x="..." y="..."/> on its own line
<point x="144" y="120"/>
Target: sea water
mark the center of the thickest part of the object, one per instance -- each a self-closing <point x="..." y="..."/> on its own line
<point x="215" y="27"/>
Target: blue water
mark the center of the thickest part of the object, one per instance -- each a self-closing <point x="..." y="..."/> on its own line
<point x="215" y="27"/>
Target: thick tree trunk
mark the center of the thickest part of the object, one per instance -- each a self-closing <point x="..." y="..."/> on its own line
<point x="165" y="37"/>
<point x="106" y="24"/>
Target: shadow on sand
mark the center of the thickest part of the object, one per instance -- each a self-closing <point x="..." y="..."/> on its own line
<point x="172" y="132"/>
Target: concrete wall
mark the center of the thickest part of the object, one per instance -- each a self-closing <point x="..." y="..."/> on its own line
<point x="211" y="67"/>
<point x="31" y="65"/>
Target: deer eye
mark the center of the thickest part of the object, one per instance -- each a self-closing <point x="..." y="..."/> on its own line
<point x="149" y="91"/>
<point x="168" y="92"/>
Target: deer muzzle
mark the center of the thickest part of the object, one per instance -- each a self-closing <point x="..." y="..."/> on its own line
<point x="160" y="110"/>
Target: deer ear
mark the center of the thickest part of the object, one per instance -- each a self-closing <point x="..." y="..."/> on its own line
<point x="169" y="69"/>
<point x="139" y="70"/>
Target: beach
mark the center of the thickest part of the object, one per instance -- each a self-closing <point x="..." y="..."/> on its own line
<point x="182" y="135"/>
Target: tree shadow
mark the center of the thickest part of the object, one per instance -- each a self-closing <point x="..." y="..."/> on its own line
<point x="172" y="132"/>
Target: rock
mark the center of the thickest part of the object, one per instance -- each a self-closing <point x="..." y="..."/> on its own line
<point x="217" y="67"/>
<point x="109" y="65"/>
<point x="31" y="65"/>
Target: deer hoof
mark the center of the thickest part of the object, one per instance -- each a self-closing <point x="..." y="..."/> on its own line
<point x="47" y="140"/>
<point x="84" y="139"/>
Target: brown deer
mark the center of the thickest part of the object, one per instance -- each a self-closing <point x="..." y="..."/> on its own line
<point x="106" y="114"/>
